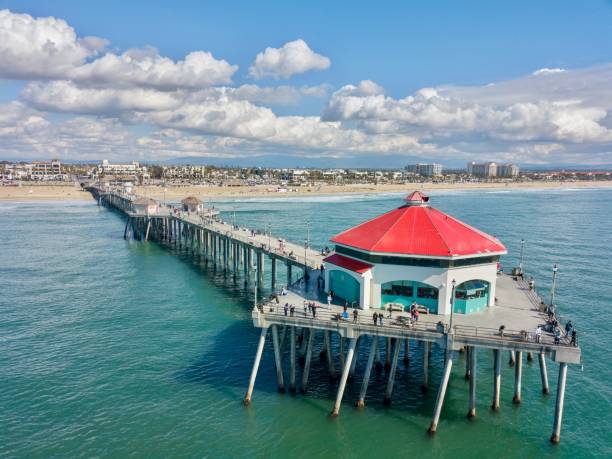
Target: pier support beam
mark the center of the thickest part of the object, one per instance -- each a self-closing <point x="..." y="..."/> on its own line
<point x="388" y="355"/>
<point x="472" y="362"/>
<point x="260" y="347"/>
<point x="391" y="380"/>
<point x="511" y="358"/>
<point x="543" y="373"/>
<point x="425" y="383"/>
<point x="307" y="360"/>
<point x="288" y="274"/>
<point x="273" y="273"/>
<point x="441" y="393"/>
<point x="277" y="359"/>
<point x="406" y="351"/>
<point x="368" y="371"/>
<point x="497" y="355"/>
<point x="344" y="377"/>
<point x="354" y="364"/>
<point x="518" y="375"/>
<point x="328" y="354"/>
<point x="292" y="362"/>
<point x="556" y="434"/>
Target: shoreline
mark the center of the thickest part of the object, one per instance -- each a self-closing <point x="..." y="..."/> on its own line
<point x="73" y="193"/>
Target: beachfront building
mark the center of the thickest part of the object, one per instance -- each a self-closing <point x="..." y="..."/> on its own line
<point x="414" y="253"/>
<point x="192" y="204"/>
<point x="507" y="170"/>
<point x="425" y="170"/>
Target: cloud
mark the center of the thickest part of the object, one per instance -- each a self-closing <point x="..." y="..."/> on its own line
<point x="547" y="71"/>
<point x="41" y="48"/>
<point x="48" y="49"/>
<point x="146" y="68"/>
<point x="292" y="58"/>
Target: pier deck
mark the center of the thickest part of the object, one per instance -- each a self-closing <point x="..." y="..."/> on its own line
<point x="517" y="308"/>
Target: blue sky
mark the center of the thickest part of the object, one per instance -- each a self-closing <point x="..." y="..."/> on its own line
<point x="402" y="48"/>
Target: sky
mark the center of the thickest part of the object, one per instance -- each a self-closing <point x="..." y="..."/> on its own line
<point x="331" y="84"/>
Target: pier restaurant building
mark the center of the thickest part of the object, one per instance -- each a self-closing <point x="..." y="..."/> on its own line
<point x="414" y="253"/>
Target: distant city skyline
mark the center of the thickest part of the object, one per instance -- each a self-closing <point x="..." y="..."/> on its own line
<point x="314" y="85"/>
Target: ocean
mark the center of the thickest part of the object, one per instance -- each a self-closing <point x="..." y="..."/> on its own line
<point x="114" y="348"/>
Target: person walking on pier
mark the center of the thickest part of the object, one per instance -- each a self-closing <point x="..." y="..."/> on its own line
<point x="306" y="306"/>
<point x="375" y="318"/>
<point x="557" y="334"/>
<point x="291" y="310"/>
<point x="573" y="343"/>
<point x="286" y="308"/>
<point x="380" y="319"/>
<point x="568" y="328"/>
<point x="355" y="315"/>
<point x="329" y="299"/>
<point x="531" y="283"/>
<point x="314" y="310"/>
<point x="538" y="334"/>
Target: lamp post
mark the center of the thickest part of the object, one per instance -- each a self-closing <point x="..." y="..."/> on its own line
<point x="452" y="302"/>
<point x="554" y="285"/>
<point x="521" y="257"/>
<point x="269" y="236"/>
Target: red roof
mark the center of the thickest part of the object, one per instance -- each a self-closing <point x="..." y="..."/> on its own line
<point x="419" y="230"/>
<point x="348" y="263"/>
<point x="416" y="196"/>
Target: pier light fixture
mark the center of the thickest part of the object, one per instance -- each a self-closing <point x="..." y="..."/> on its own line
<point x="554" y="285"/>
<point x="452" y="304"/>
<point x="521" y="257"/>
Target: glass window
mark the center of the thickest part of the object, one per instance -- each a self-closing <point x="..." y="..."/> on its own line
<point x="427" y="292"/>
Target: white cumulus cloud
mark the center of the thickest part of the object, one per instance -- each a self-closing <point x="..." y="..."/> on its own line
<point x="292" y="58"/>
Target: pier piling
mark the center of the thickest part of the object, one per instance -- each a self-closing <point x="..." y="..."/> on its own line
<point x="497" y="355"/>
<point x="292" y="362"/>
<point x="472" y="389"/>
<point x="368" y="370"/>
<point x="344" y="377"/>
<point x="425" y="383"/>
<point x="391" y="380"/>
<point x="277" y="359"/>
<point x="260" y="347"/>
<point x="556" y="435"/>
<point x="307" y="360"/>
<point x="543" y="373"/>
<point x="441" y="393"/>
<point x="518" y="374"/>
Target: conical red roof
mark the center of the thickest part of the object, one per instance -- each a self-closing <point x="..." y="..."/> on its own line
<point x="419" y="230"/>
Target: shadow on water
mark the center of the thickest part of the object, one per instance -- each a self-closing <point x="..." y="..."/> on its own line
<point x="227" y="362"/>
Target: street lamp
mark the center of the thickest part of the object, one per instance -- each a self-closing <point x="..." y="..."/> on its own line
<point x="521" y="257"/>
<point x="452" y="302"/>
<point x="554" y="285"/>
<point x="269" y="236"/>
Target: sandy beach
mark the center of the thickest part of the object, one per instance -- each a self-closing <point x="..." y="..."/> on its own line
<point x="174" y="193"/>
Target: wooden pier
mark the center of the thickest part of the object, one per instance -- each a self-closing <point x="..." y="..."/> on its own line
<point x="508" y="326"/>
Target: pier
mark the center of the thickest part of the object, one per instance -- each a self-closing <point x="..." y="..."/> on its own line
<point x="304" y="314"/>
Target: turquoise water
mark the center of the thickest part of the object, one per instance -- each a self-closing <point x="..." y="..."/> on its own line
<point x="111" y="348"/>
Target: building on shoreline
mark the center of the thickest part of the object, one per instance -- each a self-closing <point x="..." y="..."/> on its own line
<point x="491" y="169"/>
<point x="425" y="170"/>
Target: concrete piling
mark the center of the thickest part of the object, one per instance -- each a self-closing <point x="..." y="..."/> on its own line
<point x="556" y="434"/>
<point x="497" y="355"/>
<point x="260" y="347"/>
<point x="292" y="362"/>
<point x="391" y="380"/>
<point x="307" y="360"/>
<point x="406" y="351"/>
<point x="543" y="373"/>
<point x="472" y="389"/>
<point x="328" y="354"/>
<point x="440" y="398"/>
<point x="518" y="374"/>
<point x="425" y="383"/>
<point x="511" y="358"/>
<point x="277" y="359"/>
<point x="368" y="370"/>
<point x="344" y="377"/>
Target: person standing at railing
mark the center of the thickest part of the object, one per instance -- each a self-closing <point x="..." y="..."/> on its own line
<point x="329" y="299"/>
<point x="375" y="317"/>
<point x="380" y="319"/>
<point x="573" y="343"/>
<point x="538" y="334"/>
<point x="286" y="308"/>
<point x="355" y="315"/>
<point x="314" y="310"/>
